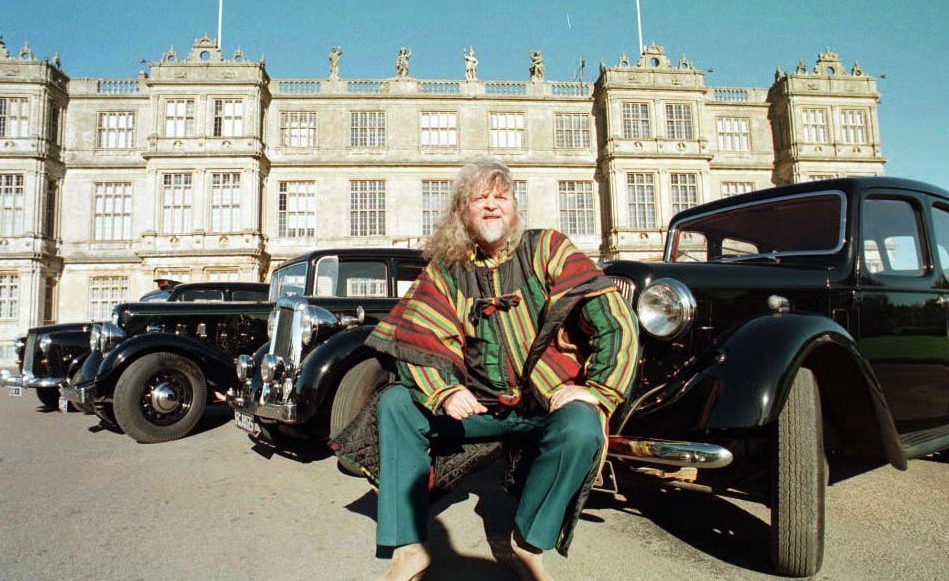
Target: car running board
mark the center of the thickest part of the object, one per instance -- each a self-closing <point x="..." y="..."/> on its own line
<point x="923" y="442"/>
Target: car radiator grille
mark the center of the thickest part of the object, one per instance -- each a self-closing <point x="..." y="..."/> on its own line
<point x="625" y="286"/>
<point x="29" y="353"/>
<point x="283" y="332"/>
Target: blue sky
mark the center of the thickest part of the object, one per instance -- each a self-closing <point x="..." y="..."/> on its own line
<point x="742" y="40"/>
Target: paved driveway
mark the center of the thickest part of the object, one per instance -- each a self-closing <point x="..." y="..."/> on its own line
<point x="81" y="502"/>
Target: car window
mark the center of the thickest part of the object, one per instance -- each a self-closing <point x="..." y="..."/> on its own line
<point x="799" y="225"/>
<point x="248" y="295"/>
<point x="891" y="242"/>
<point x="362" y="279"/>
<point x="288" y="281"/>
<point x="405" y="275"/>
<point x="941" y="229"/>
<point x="200" y="296"/>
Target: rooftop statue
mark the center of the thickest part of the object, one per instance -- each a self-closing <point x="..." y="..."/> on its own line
<point x="537" y="66"/>
<point x="335" y="53"/>
<point x="402" y="63"/>
<point x="471" y="64"/>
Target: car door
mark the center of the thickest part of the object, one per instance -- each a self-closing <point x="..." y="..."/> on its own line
<point x="902" y="319"/>
<point x="940" y="220"/>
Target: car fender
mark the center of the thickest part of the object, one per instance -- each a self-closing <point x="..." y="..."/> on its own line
<point x="749" y="382"/>
<point x="217" y="367"/>
<point x="324" y="367"/>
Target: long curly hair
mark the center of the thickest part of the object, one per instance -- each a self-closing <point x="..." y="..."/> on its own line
<point x="451" y="242"/>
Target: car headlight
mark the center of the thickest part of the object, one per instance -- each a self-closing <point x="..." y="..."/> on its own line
<point x="311" y="318"/>
<point x="666" y="308"/>
<point x="271" y="368"/>
<point x="94" y="337"/>
<point x="110" y="335"/>
<point x="244" y="367"/>
<point x="272" y="322"/>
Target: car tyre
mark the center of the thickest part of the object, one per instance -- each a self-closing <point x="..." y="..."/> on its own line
<point x="798" y="481"/>
<point x="49" y="397"/>
<point x="159" y="397"/>
<point x="355" y="388"/>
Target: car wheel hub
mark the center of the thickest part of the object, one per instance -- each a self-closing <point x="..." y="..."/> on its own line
<point x="164" y="398"/>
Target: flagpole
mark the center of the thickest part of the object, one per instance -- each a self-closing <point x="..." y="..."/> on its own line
<point x="220" y="11"/>
<point x="639" y="23"/>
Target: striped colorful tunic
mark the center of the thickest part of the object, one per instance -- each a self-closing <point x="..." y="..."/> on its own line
<point x="477" y="328"/>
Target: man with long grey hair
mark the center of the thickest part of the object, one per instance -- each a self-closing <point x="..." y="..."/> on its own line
<point x="506" y="335"/>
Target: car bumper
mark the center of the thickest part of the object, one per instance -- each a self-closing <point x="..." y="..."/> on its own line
<point x="28" y="381"/>
<point x="287" y="413"/>
<point x="83" y="393"/>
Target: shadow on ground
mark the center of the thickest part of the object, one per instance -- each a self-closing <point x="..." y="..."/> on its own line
<point x="708" y="523"/>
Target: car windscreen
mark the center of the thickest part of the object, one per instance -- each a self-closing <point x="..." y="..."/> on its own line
<point x="288" y="281"/>
<point x="800" y="225"/>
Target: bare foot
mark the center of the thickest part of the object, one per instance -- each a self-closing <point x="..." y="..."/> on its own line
<point x="530" y="560"/>
<point x="409" y="563"/>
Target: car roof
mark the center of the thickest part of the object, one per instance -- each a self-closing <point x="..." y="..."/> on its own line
<point x="845" y="185"/>
<point x="384" y="252"/>
<point x="227" y="285"/>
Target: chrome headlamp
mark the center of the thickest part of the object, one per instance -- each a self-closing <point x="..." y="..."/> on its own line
<point x="666" y="308"/>
<point x="94" y="335"/>
<point x="110" y="335"/>
<point x="311" y="318"/>
<point x="244" y="367"/>
<point x="271" y="368"/>
<point x="272" y="322"/>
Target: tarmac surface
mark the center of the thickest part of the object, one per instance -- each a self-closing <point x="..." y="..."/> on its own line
<point x="78" y="501"/>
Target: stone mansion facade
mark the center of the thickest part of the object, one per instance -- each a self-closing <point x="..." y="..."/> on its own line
<point x="205" y="168"/>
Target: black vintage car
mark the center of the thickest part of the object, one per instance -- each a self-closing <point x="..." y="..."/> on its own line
<point x="152" y="369"/>
<point x="52" y="354"/>
<point x="785" y="326"/>
<point x="314" y="372"/>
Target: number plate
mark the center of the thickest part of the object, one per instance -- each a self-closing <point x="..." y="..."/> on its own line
<point x="16" y="390"/>
<point x="63" y="404"/>
<point x="247" y="423"/>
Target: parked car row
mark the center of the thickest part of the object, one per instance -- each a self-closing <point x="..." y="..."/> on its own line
<point x="782" y="326"/>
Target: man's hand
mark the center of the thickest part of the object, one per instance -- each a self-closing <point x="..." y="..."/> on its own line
<point x="569" y="393"/>
<point x="462" y="404"/>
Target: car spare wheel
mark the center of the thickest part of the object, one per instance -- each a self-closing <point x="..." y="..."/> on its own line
<point x="159" y="397"/>
<point x="798" y="481"/>
<point x="355" y="388"/>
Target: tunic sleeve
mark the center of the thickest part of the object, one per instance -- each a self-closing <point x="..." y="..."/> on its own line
<point x="431" y="386"/>
<point x="611" y="366"/>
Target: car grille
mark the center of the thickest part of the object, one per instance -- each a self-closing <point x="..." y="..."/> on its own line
<point x="29" y="352"/>
<point x="283" y="333"/>
<point x="626" y="287"/>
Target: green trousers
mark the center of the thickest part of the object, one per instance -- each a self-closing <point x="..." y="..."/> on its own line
<point x="567" y="441"/>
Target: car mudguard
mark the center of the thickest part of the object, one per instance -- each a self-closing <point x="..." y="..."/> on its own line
<point x="218" y="368"/>
<point x="749" y="380"/>
<point x="324" y="367"/>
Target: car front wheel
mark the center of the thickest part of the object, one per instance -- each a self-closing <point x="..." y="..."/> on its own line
<point x="49" y="397"/>
<point x="159" y="398"/>
<point x="798" y="481"/>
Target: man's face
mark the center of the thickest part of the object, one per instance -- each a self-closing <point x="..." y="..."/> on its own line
<point x="491" y="214"/>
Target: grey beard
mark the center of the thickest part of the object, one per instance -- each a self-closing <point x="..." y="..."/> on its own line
<point x="492" y="232"/>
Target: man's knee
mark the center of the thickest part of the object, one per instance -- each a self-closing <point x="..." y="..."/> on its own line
<point x="578" y="425"/>
<point x="395" y="401"/>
